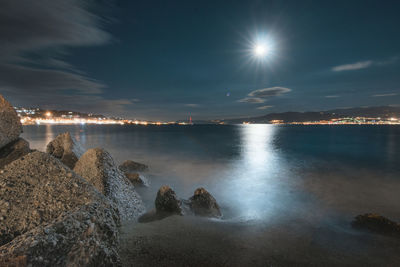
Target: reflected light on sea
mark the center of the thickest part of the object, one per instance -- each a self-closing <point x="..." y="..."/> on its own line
<point x="252" y="186"/>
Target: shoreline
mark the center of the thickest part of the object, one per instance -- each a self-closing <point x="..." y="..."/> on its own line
<point x="189" y="241"/>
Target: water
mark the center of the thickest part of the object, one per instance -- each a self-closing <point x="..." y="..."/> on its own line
<point x="258" y="171"/>
<point x="291" y="184"/>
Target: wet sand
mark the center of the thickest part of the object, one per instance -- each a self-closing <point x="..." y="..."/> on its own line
<point x="194" y="241"/>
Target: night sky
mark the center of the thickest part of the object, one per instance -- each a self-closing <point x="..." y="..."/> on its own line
<point x="167" y="60"/>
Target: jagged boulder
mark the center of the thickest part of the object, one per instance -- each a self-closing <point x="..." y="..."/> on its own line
<point x="50" y="216"/>
<point x="10" y="124"/>
<point x="203" y="203"/>
<point x="136" y="179"/>
<point x="377" y="224"/>
<point x="130" y="166"/>
<point x="13" y="151"/>
<point x="99" y="169"/>
<point x="167" y="201"/>
<point x="65" y="148"/>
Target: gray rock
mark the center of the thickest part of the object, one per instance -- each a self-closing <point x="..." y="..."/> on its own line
<point x="136" y="179"/>
<point x="130" y="166"/>
<point x="10" y="124"/>
<point x="65" y="148"/>
<point x="51" y="216"/>
<point x="203" y="203"/>
<point x="98" y="168"/>
<point x="13" y="151"/>
<point x="167" y="201"/>
<point x="377" y="224"/>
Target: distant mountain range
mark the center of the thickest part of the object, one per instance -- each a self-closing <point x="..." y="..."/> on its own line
<point x="287" y="117"/>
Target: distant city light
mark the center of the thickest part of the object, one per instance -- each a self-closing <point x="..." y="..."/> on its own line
<point x="48" y="114"/>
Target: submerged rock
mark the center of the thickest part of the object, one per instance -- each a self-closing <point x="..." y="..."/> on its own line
<point x="10" y="124"/>
<point x="203" y="203"/>
<point x="130" y="166"/>
<point x="167" y="201"/>
<point x="65" y="148"/>
<point x="98" y="168"/>
<point x="51" y="216"/>
<point x="377" y="224"/>
<point x="13" y="151"/>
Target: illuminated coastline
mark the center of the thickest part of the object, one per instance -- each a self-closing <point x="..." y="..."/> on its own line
<point x="342" y="121"/>
<point x="37" y="117"/>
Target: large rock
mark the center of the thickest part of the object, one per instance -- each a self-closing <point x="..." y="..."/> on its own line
<point x="10" y="123"/>
<point x="65" y="148"/>
<point x="203" y="203"/>
<point x="98" y="168"/>
<point x="136" y="179"/>
<point x="130" y="166"/>
<point x="50" y="216"/>
<point x="376" y="223"/>
<point x="167" y="201"/>
<point x="13" y="151"/>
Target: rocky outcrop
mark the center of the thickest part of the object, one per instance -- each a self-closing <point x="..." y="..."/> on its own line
<point x="377" y="224"/>
<point x="98" y="168"/>
<point x="10" y="124"/>
<point x="50" y="216"/>
<point x="136" y="179"/>
<point x="130" y="166"/>
<point x="167" y="201"/>
<point x="65" y="148"/>
<point x="203" y="203"/>
<point x="13" y="151"/>
<point x="130" y="169"/>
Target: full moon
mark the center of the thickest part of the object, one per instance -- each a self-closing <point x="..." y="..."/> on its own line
<point x="261" y="50"/>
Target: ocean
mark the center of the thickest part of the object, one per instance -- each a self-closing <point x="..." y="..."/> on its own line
<point x="312" y="179"/>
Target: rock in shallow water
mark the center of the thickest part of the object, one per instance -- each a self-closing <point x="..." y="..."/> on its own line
<point x="13" y="151"/>
<point x="377" y="224"/>
<point x="136" y="179"/>
<point x="130" y="166"/>
<point x="167" y="201"/>
<point x="51" y="216"/>
<point x="10" y="124"/>
<point x="203" y="203"/>
<point x="99" y="169"/>
<point x="65" y="148"/>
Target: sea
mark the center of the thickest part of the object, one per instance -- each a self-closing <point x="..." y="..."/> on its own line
<point x="314" y="179"/>
<point x="257" y="171"/>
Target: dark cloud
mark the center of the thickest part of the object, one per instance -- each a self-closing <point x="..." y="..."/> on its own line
<point x="27" y="25"/>
<point x="33" y="39"/>
<point x="261" y="95"/>
<point x="23" y="80"/>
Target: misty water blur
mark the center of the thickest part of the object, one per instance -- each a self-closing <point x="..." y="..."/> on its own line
<point x="259" y="173"/>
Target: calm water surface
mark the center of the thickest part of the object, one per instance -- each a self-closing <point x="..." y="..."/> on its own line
<point x="259" y="172"/>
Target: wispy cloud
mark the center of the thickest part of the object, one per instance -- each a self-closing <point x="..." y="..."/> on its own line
<point x="29" y="28"/>
<point x="264" y="107"/>
<point x="192" y="105"/>
<point x="261" y="95"/>
<point x="354" y="66"/>
<point x="254" y="100"/>
<point x="332" y="96"/>
<point x="382" y="95"/>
